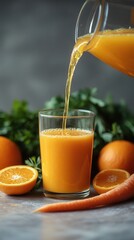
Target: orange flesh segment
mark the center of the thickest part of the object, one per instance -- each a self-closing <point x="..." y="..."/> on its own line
<point x="15" y="177"/>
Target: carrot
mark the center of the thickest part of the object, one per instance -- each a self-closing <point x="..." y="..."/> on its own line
<point x="122" y="192"/>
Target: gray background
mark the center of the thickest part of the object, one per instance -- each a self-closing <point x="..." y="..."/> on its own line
<point x="36" y="40"/>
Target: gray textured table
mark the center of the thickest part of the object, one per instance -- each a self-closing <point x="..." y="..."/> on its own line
<point x="17" y="222"/>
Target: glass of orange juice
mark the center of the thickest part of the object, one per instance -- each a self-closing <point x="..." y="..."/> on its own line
<point x="66" y="153"/>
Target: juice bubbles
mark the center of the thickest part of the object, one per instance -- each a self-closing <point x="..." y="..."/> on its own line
<point x="66" y="159"/>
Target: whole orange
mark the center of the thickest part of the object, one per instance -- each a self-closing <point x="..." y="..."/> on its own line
<point x="10" y="153"/>
<point x="117" y="154"/>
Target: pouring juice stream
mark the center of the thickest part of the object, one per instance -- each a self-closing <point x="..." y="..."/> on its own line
<point x="114" y="47"/>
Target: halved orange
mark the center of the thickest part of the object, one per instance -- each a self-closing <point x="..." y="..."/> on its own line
<point x="17" y="180"/>
<point x="108" y="179"/>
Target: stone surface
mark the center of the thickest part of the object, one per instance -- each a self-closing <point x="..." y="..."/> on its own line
<point x="17" y="221"/>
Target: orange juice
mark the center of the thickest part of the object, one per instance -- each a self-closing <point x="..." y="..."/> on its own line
<point x="114" y="47"/>
<point x="66" y="157"/>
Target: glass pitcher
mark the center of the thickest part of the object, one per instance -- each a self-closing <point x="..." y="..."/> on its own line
<point x="107" y="26"/>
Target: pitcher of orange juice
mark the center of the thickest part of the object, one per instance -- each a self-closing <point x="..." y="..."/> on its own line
<point x="105" y="28"/>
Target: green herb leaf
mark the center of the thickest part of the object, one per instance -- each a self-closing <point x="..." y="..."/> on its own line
<point x="35" y="163"/>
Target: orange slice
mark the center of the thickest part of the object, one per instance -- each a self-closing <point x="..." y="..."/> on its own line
<point x="17" y="180"/>
<point x="108" y="179"/>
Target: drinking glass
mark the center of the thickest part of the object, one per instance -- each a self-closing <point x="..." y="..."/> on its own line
<point x="110" y="25"/>
<point x="66" y="154"/>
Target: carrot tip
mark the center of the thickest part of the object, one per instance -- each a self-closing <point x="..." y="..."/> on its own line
<point x="37" y="210"/>
<point x="40" y="210"/>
